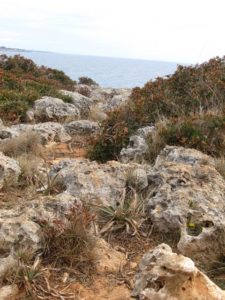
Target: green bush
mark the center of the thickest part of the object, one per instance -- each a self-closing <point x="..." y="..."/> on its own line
<point x="87" y="81"/>
<point x="22" y="82"/>
<point x="192" y="90"/>
<point x="205" y="133"/>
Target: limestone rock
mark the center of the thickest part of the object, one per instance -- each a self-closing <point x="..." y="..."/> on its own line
<point x="164" y="275"/>
<point x="81" y="102"/>
<point x="6" y="263"/>
<point x="48" y="131"/>
<point x="120" y="98"/>
<point x="30" y="118"/>
<point x="51" y="131"/>
<point x="188" y="201"/>
<point x="20" y="232"/>
<point x="137" y="146"/>
<point x="20" y="229"/>
<point x="54" y="109"/>
<point x="81" y="127"/>
<point x="90" y="181"/>
<point x="110" y="98"/>
<point x="9" y="292"/>
<point x="9" y="171"/>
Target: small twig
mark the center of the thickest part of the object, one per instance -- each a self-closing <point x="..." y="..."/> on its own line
<point x="150" y="231"/>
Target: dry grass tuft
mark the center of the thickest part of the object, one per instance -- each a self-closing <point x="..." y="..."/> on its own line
<point x="69" y="243"/>
<point x="30" y="173"/>
<point x="26" y="143"/>
<point x="97" y="115"/>
<point x="220" y="166"/>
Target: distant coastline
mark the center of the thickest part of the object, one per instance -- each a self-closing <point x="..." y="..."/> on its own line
<point x="6" y="49"/>
<point x="106" y="71"/>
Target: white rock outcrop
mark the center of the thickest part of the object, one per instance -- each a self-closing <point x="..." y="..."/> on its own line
<point x="90" y="181"/>
<point x="81" y="127"/>
<point x="20" y="227"/>
<point x="165" y="275"/>
<point x="9" y="171"/>
<point x="137" y="146"/>
<point x="81" y="102"/>
<point x="54" y="109"/>
<point x="48" y="132"/>
<point x="187" y="200"/>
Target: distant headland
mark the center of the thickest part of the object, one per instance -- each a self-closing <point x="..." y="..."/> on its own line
<point x="6" y="49"/>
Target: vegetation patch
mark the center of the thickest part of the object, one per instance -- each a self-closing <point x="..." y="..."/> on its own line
<point x="205" y="133"/>
<point x="127" y="215"/>
<point x="26" y="143"/>
<point x="69" y="243"/>
<point x="22" y="82"/>
<point x="87" y="81"/>
<point x="190" y="91"/>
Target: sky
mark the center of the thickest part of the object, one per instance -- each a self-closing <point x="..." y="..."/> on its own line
<point x="186" y="31"/>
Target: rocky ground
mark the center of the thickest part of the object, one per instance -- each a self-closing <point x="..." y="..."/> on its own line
<point x="165" y="244"/>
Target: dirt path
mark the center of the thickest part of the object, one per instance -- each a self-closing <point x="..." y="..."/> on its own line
<point x="74" y="149"/>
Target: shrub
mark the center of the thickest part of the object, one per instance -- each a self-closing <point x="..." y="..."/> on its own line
<point x="83" y="90"/>
<point x="203" y="132"/>
<point x="190" y="91"/>
<point x="87" y="81"/>
<point x="22" y="82"/>
<point x="30" y="174"/>
<point x="69" y="243"/>
<point x="128" y="215"/>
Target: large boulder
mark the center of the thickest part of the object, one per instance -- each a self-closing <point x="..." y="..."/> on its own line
<point x="81" y="127"/>
<point x="188" y="201"/>
<point x="9" y="171"/>
<point x="164" y="275"/>
<point x="90" y="181"/>
<point x="54" y="109"/>
<point x="51" y="131"/>
<point x="48" y="131"/>
<point x="20" y="228"/>
<point x="117" y="100"/>
<point x="137" y="146"/>
<point x="82" y="102"/>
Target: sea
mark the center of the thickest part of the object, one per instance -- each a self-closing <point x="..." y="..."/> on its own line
<point x="106" y="71"/>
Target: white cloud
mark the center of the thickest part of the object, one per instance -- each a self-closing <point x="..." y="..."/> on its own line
<point x="175" y="30"/>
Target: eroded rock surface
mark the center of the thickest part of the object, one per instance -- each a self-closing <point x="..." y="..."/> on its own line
<point x="164" y="275"/>
<point x="81" y="102"/>
<point x="48" y="131"/>
<point x="54" y="109"/>
<point x="19" y="227"/>
<point x="188" y="200"/>
<point x="81" y="127"/>
<point x="92" y="182"/>
<point x="9" y="171"/>
<point x="137" y="146"/>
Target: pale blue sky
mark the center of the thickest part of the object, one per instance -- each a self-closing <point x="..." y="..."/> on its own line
<point x="170" y="30"/>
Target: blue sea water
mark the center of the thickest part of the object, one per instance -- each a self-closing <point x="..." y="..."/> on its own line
<point x="108" y="72"/>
